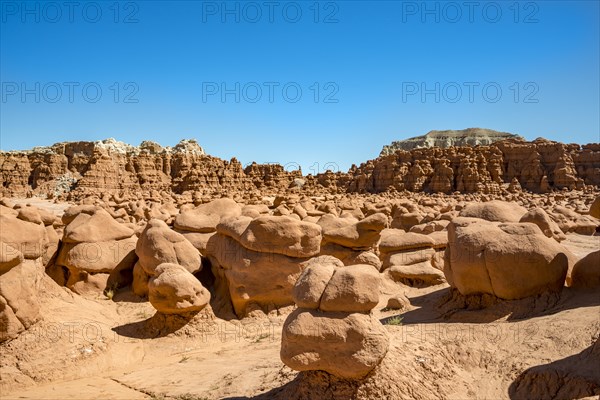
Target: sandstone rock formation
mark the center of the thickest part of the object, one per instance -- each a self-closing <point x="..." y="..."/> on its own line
<point x="95" y="248"/>
<point x="281" y="235"/>
<point x="537" y="166"/>
<point x="361" y="235"/>
<point x="507" y="260"/>
<point x="449" y="138"/>
<point x="173" y="290"/>
<point x="595" y="208"/>
<point x="333" y="329"/>
<point x="586" y="272"/>
<point x="78" y="169"/>
<point x="541" y="218"/>
<point x="568" y="220"/>
<point x="494" y="210"/>
<point x="29" y="238"/>
<point x="260" y="259"/>
<point x="159" y="244"/>
<point x="350" y="240"/>
<point x="21" y="269"/>
<point x="199" y="224"/>
<point x="408" y="257"/>
<point x="19" y="304"/>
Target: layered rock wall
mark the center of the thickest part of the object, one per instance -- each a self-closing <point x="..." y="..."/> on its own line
<point x="95" y="167"/>
<point x="113" y="167"/>
<point x="538" y="166"/>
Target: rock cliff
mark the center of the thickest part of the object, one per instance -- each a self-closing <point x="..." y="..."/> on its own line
<point x="76" y="169"/>
<point x="449" y="138"/>
<point x="537" y="166"/>
<point x="116" y="167"/>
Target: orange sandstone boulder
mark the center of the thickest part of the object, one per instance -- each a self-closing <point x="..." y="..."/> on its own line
<point x="175" y="291"/>
<point x="508" y="260"/>
<point x="495" y="210"/>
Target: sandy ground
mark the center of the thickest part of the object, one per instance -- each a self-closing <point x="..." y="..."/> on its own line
<point x="97" y="348"/>
<point x="58" y="208"/>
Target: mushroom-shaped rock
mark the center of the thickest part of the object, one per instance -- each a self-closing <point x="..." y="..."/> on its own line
<point x="30" y="214"/>
<point x="206" y="217"/>
<point x="263" y="279"/>
<point x="234" y="227"/>
<point x="72" y="212"/>
<point x="360" y="235"/>
<point x="98" y="257"/>
<point x="333" y="329"/>
<point x="282" y="235"/>
<point x="175" y="291"/>
<point x="95" y="246"/>
<point x="330" y="222"/>
<point x="96" y="227"/>
<point x="159" y="244"/>
<point x="495" y="210"/>
<point x="508" y="260"/>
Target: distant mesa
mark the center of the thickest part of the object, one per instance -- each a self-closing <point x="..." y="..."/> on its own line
<point x="449" y="138"/>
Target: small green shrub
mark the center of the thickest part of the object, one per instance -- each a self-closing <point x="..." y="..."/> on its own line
<point x="397" y="320"/>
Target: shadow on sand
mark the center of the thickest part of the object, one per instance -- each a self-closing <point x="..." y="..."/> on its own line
<point x="310" y="385"/>
<point x="573" y="377"/>
<point x="159" y="325"/>
<point x="448" y="306"/>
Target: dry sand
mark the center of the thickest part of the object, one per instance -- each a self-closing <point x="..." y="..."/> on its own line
<point x="91" y="349"/>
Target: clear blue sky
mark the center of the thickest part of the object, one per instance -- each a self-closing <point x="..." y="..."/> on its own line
<point x="374" y="58"/>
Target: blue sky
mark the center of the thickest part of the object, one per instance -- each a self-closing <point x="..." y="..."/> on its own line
<point x="368" y="73"/>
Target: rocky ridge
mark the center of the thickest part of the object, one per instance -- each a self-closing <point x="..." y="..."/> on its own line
<point x="74" y="170"/>
<point x="537" y="166"/>
<point x="449" y="138"/>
